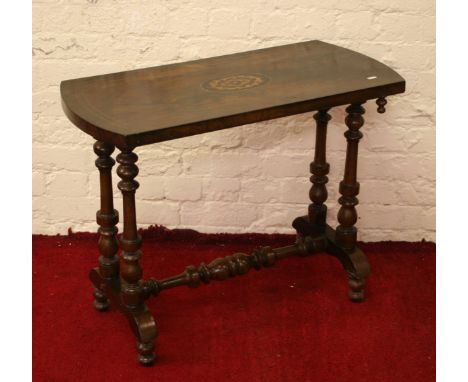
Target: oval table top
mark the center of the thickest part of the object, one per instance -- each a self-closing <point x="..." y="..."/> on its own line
<point x="144" y="106"/>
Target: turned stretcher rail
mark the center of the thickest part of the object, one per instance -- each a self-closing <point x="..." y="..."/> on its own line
<point x="234" y="265"/>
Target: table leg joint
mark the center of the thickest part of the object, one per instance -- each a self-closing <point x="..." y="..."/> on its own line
<point x="139" y="317"/>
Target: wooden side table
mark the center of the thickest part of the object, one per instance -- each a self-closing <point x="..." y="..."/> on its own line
<point x="145" y="106"/>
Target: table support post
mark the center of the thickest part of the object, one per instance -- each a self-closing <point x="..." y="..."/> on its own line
<point x="319" y="169"/>
<point x="107" y="219"/>
<point x="132" y="297"/>
<point x="346" y="232"/>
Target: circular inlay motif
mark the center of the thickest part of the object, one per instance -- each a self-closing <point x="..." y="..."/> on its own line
<point x="235" y="82"/>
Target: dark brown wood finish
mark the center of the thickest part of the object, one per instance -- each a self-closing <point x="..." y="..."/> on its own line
<point x="319" y="168"/>
<point x="144" y="106"/>
<point x="131" y="291"/>
<point x="236" y="265"/>
<point x="140" y="107"/>
<point x="107" y="219"/>
<point x="381" y="102"/>
<point x="346" y="232"/>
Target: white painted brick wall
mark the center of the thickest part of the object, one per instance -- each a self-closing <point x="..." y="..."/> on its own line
<point x="249" y="178"/>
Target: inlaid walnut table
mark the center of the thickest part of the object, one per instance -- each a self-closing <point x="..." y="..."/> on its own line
<point x="141" y="107"/>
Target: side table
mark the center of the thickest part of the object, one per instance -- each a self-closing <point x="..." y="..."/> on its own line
<point x="145" y="106"/>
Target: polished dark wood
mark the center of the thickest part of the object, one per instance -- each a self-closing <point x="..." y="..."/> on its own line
<point x="107" y="218"/>
<point x="381" y="102"/>
<point x="346" y="232"/>
<point x="144" y="106"/>
<point x="236" y="265"/>
<point x="139" y="107"/>
<point x="139" y="317"/>
<point x="319" y="168"/>
<point x="131" y="290"/>
<point x="354" y="263"/>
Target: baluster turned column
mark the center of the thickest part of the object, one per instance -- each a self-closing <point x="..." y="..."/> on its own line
<point x="346" y="232"/>
<point x="107" y="218"/>
<point x="131" y="287"/>
<point x="130" y="241"/>
<point x="319" y="168"/>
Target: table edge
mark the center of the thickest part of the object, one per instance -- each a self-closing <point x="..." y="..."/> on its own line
<point x="225" y="122"/>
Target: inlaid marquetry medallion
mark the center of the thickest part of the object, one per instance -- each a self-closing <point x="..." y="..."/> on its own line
<point x="235" y="82"/>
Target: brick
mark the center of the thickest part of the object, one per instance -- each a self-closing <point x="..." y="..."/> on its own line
<point x="196" y="47"/>
<point x="69" y="209"/>
<point x="386" y="138"/>
<point x="407" y="168"/>
<point x="295" y="191"/>
<point x="281" y="166"/>
<point x="47" y="74"/>
<point x="159" y="162"/>
<point x="424" y="141"/>
<point x="221" y="189"/>
<point x="161" y="213"/>
<point x="181" y="188"/>
<point x="397" y="217"/>
<point x="68" y="184"/>
<point x="64" y="46"/>
<point x="319" y="23"/>
<point x="218" y="214"/>
<point x="151" y="188"/>
<point x="236" y="164"/>
<point x="226" y="139"/>
<point x="260" y="191"/>
<point x="264" y="135"/>
<point x="47" y="102"/>
<point x="61" y="157"/>
<point x="413" y="56"/>
<point x="298" y="133"/>
<point x="354" y="25"/>
<point x="226" y="23"/>
<point x="379" y="192"/>
<point x="278" y="218"/>
<point x="420" y="6"/>
<point x="197" y="163"/>
<point x="401" y="27"/>
<point x="272" y="24"/>
<point x="153" y="50"/>
<point x="188" y="21"/>
<point x="49" y="129"/>
<point x="38" y="184"/>
<point x="419" y="192"/>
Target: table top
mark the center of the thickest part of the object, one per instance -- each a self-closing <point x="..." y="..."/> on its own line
<point x="144" y="106"/>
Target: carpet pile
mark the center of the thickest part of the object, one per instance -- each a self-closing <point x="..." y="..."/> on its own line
<point x="292" y="322"/>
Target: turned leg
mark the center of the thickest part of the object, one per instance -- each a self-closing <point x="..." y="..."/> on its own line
<point x="107" y="218"/>
<point x="131" y="286"/>
<point x="346" y="232"/>
<point x="319" y="168"/>
<point x="314" y="223"/>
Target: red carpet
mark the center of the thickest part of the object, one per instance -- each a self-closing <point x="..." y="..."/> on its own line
<point x="291" y="322"/>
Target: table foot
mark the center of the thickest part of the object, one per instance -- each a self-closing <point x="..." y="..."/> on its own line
<point x="356" y="289"/>
<point x="354" y="263"/>
<point x="139" y="317"/>
<point x="101" y="303"/>
<point x="146" y="355"/>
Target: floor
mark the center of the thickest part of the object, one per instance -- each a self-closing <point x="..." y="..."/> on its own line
<point x="291" y="322"/>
